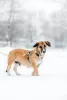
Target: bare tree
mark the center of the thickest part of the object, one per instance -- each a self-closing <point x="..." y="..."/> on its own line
<point x="10" y="22"/>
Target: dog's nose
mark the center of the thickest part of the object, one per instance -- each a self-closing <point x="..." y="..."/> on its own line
<point x="43" y="51"/>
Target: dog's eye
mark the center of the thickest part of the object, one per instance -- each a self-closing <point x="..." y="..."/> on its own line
<point x="40" y="46"/>
<point x="44" y="46"/>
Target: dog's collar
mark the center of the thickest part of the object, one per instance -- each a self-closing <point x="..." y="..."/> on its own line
<point x="28" y="56"/>
<point x="37" y="54"/>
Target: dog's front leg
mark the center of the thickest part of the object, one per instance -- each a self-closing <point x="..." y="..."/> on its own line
<point x="35" y="72"/>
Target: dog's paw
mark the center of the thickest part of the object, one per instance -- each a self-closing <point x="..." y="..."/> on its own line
<point x="37" y="75"/>
<point x="8" y="74"/>
<point x="18" y="74"/>
<point x="33" y="74"/>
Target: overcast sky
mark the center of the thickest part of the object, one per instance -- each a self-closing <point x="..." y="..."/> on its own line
<point x="48" y="6"/>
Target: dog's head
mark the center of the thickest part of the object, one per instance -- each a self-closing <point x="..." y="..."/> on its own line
<point x="42" y="45"/>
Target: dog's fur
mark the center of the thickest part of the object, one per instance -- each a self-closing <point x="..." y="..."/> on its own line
<point x="28" y="58"/>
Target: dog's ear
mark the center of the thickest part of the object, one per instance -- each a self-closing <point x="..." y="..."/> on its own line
<point x="36" y="44"/>
<point x="48" y="43"/>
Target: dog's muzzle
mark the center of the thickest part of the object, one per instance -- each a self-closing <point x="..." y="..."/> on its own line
<point x="44" y="50"/>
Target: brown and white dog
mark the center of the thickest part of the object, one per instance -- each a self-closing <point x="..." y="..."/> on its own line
<point x="28" y="58"/>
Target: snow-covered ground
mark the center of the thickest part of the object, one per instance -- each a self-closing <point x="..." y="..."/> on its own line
<point x="50" y="85"/>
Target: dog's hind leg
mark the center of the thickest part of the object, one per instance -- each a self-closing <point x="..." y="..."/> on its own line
<point x="8" y="69"/>
<point x="10" y="62"/>
<point x="15" y="68"/>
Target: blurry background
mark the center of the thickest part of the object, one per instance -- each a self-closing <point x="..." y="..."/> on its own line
<point x="24" y="22"/>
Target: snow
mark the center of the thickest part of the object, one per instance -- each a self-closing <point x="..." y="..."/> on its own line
<point x="50" y="85"/>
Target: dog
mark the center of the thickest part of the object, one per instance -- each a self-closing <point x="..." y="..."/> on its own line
<point x="29" y="58"/>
